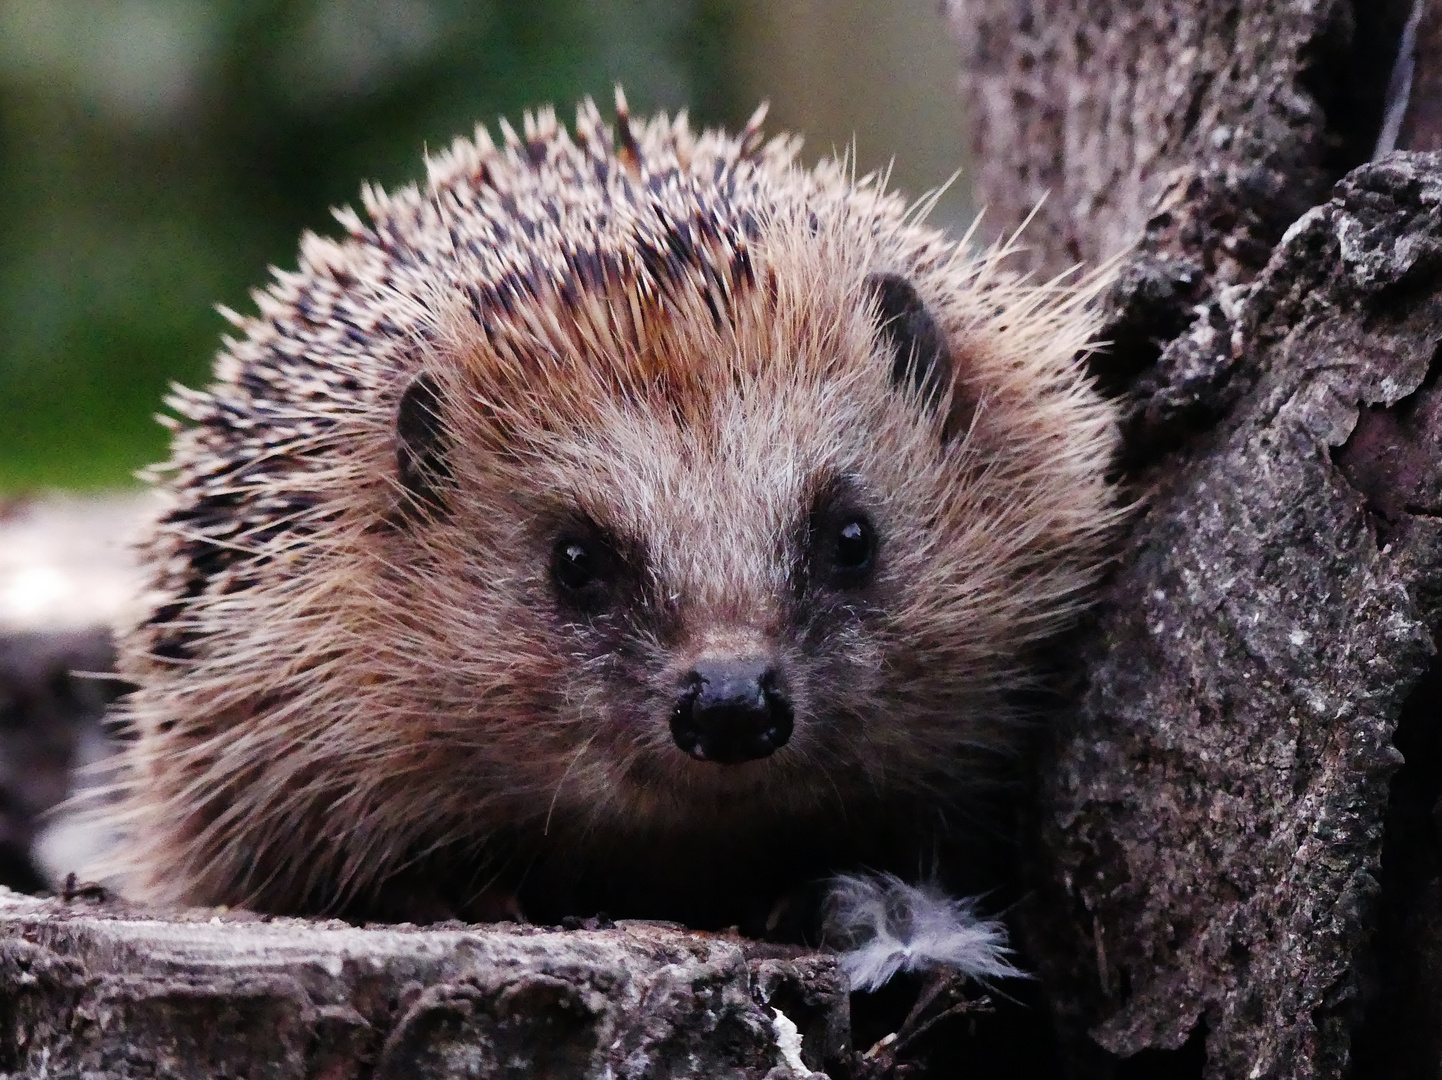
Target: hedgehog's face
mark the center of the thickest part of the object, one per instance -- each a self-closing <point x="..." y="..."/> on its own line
<point x="745" y="554"/>
<point x="726" y="593"/>
<point x="736" y="619"/>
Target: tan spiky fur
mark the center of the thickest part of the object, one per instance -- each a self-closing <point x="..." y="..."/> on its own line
<point x="347" y="698"/>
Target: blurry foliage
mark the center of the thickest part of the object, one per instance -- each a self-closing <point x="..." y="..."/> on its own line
<point x="155" y="155"/>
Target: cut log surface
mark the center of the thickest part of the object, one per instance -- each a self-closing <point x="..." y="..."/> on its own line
<point x="104" y="990"/>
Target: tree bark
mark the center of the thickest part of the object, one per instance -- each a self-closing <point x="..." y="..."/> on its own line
<point x="1211" y="815"/>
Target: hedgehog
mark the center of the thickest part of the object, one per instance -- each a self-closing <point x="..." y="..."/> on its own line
<point x="626" y="519"/>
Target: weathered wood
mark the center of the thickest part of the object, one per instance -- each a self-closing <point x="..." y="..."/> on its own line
<point x="1210" y="819"/>
<point x="106" y="991"/>
<point x="1215" y="810"/>
<point x="1201" y="128"/>
<point x="1187" y="135"/>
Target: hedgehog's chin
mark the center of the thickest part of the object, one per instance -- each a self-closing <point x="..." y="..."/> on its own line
<point x="673" y="788"/>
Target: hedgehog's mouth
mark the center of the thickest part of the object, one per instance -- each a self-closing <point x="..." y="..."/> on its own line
<point x="682" y="789"/>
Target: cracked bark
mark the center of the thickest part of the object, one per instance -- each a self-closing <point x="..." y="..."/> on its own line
<point x="1211" y="894"/>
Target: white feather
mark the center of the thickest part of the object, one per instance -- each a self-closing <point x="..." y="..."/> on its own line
<point x="886" y="926"/>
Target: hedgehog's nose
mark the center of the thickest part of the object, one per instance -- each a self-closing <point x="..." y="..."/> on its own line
<point x="731" y="711"/>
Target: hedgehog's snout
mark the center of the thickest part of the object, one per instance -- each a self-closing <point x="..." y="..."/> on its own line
<point x="732" y="710"/>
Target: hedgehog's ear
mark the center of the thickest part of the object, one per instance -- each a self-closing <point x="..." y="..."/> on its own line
<point x="422" y="445"/>
<point x="921" y="361"/>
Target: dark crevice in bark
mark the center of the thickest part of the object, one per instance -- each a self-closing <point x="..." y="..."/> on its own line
<point x="1151" y="305"/>
<point x="1183" y="395"/>
<point x="1186" y="1062"/>
<point x="1401" y="975"/>
<point x="1346" y="70"/>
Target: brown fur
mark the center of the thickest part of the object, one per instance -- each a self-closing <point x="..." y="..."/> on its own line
<point x="353" y="699"/>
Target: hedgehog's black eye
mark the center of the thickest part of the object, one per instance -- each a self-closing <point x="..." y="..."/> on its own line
<point x="852" y="551"/>
<point x="594" y="571"/>
<point x="841" y="542"/>
<point x="855" y="545"/>
<point x="573" y="566"/>
<point x="588" y="573"/>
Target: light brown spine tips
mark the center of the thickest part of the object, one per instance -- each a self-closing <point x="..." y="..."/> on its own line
<point x="628" y="152"/>
<point x="752" y="135"/>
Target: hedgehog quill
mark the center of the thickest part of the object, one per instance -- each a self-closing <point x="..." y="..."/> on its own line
<point x="624" y="519"/>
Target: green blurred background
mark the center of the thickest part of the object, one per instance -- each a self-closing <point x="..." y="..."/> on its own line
<point x="157" y="155"/>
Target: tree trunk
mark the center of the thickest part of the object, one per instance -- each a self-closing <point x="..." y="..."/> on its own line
<point x="1210" y="823"/>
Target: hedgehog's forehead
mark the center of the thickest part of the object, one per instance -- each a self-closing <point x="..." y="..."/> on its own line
<point x="746" y="448"/>
<point x="718" y="498"/>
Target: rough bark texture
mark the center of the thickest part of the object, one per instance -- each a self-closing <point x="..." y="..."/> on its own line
<point x="1211" y="816"/>
<point x="1205" y="126"/>
<point x="97" y="991"/>
<point x="1215" y="813"/>
<point x="1187" y="133"/>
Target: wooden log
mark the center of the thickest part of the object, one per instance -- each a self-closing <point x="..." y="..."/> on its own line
<point x="104" y="990"/>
